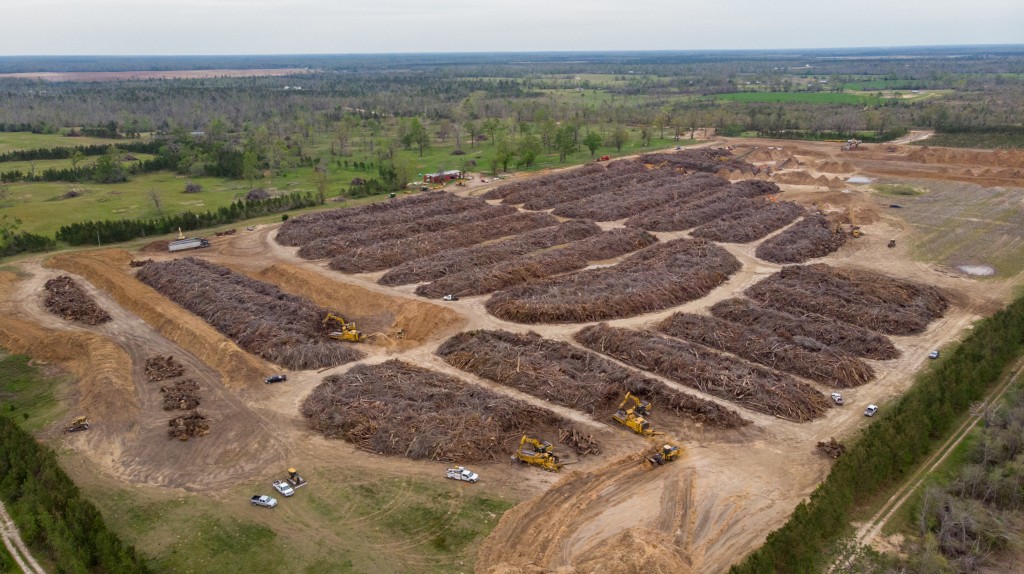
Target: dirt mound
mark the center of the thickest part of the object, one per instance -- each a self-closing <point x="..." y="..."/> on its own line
<point x="109" y="271"/>
<point x="796" y="177"/>
<point x="836" y="167"/>
<point x="159" y="246"/>
<point x="636" y="550"/>
<point x="981" y="158"/>
<point x="67" y="299"/>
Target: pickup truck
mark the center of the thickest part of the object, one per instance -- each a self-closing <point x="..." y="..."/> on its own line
<point x="837" y="398"/>
<point x="460" y="473"/>
<point x="283" y="487"/>
<point x="264" y="500"/>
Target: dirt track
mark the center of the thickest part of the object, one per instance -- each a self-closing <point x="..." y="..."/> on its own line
<point x="699" y="514"/>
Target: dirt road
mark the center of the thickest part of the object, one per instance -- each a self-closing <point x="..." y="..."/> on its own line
<point x="16" y="546"/>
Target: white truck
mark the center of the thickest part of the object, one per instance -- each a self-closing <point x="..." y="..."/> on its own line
<point x="264" y="501"/>
<point x="461" y="473"/>
<point x="185" y="244"/>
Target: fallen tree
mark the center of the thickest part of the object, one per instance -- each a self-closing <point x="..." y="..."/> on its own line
<point x="749" y="386"/>
<point x="64" y="297"/>
<point x="813" y="237"/>
<point x="566" y="375"/>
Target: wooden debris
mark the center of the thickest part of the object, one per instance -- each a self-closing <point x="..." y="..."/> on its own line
<point x="67" y="299"/>
<point x="813" y="237"/>
<point x="832" y="449"/>
<point x="182" y="395"/>
<point x="189" y="425"/>
<point x="160" y="368"/>
<point x="583" y="444"/>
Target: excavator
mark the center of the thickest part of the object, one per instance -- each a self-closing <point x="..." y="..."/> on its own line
<point x="633" y="417"/>
<point x="541" y="455"/>
<point x="348" y="330"/>
<point x="668" y="453"/>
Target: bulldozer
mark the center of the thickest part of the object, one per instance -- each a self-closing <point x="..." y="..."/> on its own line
<point x="633" y="417"/>
<point x="79" y="424"/>
<point x="348" y="330"/>
<point x="541" y="455"/>
<point x="668" y="453"/>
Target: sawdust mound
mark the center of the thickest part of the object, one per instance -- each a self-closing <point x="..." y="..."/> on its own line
<point x="109" y="271"/>
<point x="652" y="279"/>
<point x="396" y="408"/>
<point x="263" y="320"/>
<point x="66" y="298"/>
<point x="815" y="236"/>
<point x="635" y="550"/>
<point x="563" y="374"/>
<point x="753" y="387"/>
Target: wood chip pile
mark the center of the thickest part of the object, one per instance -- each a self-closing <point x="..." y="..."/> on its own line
<point x="263" y="320"/>
<point x="188" y="425"/>
<point x="391" y="253"/>
<point x="633" y="199"/>
<point x="67" y="299"/>
<point x="182" y="395"/>
<point x="823" y="364"/>
<point x="395" y="408"/>
<point x="160" y="368"/>
<point x="870" y="300"/>
<point x="750" y="225"/>
<point x="750" y="386"/>
<point x="808" y="329"/>
<point x="519" y="270"/>
<point x="482" y="256"/>
<point x="706" y="207"/>
<point x="655" y="278"/>
<point x="711" y="160"/>
<point x="813" y="237"/>
<point x="567" y="375"/>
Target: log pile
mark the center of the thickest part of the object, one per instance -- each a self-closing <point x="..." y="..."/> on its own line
<point x="390" y="253"/>
<point x="824" y="365"/>
<point x="579" y="190"/>
<point x="182" y="395"/>
<point x="396" y="408"/>
<point x="813" y="237"/>
<point x="808" y="329"/>
<point x="629" y="201"/>
<point x="706" y="207"/>
<point x="869" y="300"/>
<point x="263" y="320"/>
<point x="566" y="375"/>
<point x="484" y="256"/>
<point x="519" y="270"/>
<point x="832" y="449"/>
<point x="188" y="425"/>
<point x="67" y="299"/>
<point x="160" y="368"/>
<point x="583" y="444"/>
<point x="749" y="386"/>
<point x="750" y="225"/>
<point x="710" y="160"/>
<point x="652" y="279"/>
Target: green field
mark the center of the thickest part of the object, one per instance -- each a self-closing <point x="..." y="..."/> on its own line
<point x="10" y="141"/>
<point x="41" y="165"/>
<point x="792" y="98"/>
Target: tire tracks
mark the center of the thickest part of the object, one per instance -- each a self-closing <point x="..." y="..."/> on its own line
<point x="16" y="546"/>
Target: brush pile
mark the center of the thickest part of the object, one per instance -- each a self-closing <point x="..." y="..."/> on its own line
<point x="390" y="253"/>
<point x="547" y="191"/>
<point x="284" y="329"/>
<point x="652" y="279"/>
<point x="631" y="200"/>
<point x="182" y="395"/>
<point x="813" y="237"/>
<point x="395" y="408"/>
<point x="808" y="330"/>
<point x="832" y="449"/>
<point x="160" y="368"/>
<point x="706" y="207"/>
<point x="824" y="365"/>
<point x="566" y="375"/>
<point x="188" y="425"/>
<point x="519" y="270"/>
<point x="710" y="160"/>
<point x="869" y="300"/>
<point x="750" y="225"/>
<point x="68" y="300"/>
<point x="484" y="256"/>
<point x="139" y="262"/>
<point x="750" y="386"/>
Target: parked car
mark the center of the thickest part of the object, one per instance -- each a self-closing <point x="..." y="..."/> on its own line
<point x="871" y="410"/>
<point x="277" y="379"/>
<point x="264" y="500"/>
<point x="837" y="398"/>
<point x="933" y="355"/>
<point x="461" y="473"/>
<point x="283" y="487"/>
<point x="450" y="297"/>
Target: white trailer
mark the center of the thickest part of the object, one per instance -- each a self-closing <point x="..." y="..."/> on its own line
<point x="184" y="244"/>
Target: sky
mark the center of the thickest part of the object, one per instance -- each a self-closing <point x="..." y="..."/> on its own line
<point x="186" y="27"/>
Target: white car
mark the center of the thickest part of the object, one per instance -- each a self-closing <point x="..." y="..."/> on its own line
<point x="461" y="473"/>
<point x="933" y="355"/>
<point x="837" y="398"/>
<point x="283" y="487"/>
<point x="264" y="500"/>
<point x="871" y="410"/>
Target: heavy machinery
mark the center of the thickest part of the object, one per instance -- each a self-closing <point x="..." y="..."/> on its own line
<point x="79" y="424"/>
<point x="541" y="455"/>
<point x="294" y="480"/>
<point x="668" y="453"/>
<point x="851" y="145"/>
<point x="892" y="243"/>
<point x="348" y="330"/>
<point x="633" y="417"/>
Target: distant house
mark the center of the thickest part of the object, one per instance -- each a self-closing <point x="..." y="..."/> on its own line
<point x="442" y="176"/>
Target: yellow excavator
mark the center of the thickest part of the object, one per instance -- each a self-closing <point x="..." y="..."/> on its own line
<point x="633" y="417"/>
<point x="541" y="455"/>
<point x="348" y="330"/>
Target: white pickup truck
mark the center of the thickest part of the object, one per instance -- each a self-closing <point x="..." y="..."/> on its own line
<point x="264" y="500"/>
<point x="460" y="473"/>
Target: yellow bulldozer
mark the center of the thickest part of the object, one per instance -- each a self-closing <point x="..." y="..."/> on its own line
<point x="348" y="330"/>
<point x="668" y="453"/>
<point x="633" y="417"/>
<point x="79" y="424"/>
<point x="540" y="455"/>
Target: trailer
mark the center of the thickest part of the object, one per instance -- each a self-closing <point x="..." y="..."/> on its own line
<point x="185" y="244"/>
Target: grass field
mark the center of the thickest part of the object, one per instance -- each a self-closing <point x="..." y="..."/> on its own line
<point x="27" y="393"/>
<point x="975" y="140"/>
<point x="44" y="164"/>
<point x="792" y="97"/>
<point x="10" y="141"/>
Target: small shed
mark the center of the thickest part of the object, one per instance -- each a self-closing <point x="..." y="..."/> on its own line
<point x="442" y="176"/>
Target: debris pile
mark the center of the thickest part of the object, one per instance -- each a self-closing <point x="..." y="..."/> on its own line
<point x="813" y="237"/>
<point x="748" y="225"/>
<point x="711" y="160"/>
<point x="188" y="425"/>
<point x="139" y="262"/>
<point x="160" y="368"/>
<point x="583" y="444"/>
<point x="549" y="190"/>
<point x="64" y="297"/>
<point x="182" y="395"/>
<point x="630" y="200"/>
<point x="832" y="448"/>
<point x="744" y="197"/>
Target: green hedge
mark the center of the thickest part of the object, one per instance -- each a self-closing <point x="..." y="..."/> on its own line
<point x="50" y="512"/>
<point x="894" y="444"/>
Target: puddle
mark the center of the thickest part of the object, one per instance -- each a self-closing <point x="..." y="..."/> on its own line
<point x="977" y="269"/>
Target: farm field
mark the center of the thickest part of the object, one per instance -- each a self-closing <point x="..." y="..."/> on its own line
<point x="574" y="286"/>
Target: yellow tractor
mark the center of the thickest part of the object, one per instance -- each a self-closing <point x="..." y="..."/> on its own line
<point x="668" y="453"/>
<point x="541" y="455"/>
<point x="633" y="417"/>
<point x="348" y="330"/>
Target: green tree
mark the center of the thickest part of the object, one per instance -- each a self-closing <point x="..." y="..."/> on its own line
<point x="619" y="137"/>
<point x="320" y="180"/>
<point x="418" y="135"/>
<point x="504" y="152"/>
<point x="473" y="129"/>
<point x="565" y="142"/>
<point x="529" y="148"/>
<point x="593" y="142"/>
<point x="250" y="169"/>
<point x="108" y="168"/>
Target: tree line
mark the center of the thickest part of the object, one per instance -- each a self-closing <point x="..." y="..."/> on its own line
<point x="893" y="444"/>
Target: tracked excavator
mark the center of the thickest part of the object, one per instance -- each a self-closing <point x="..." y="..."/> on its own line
<point x="633" y="417"/>
<point x="541" y="455"/>
<point x="348" y="330"/>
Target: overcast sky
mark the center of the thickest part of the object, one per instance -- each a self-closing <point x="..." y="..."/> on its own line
<point x="125" y="27"/>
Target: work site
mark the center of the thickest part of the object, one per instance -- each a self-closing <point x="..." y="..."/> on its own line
<point x="650" y="360"/>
